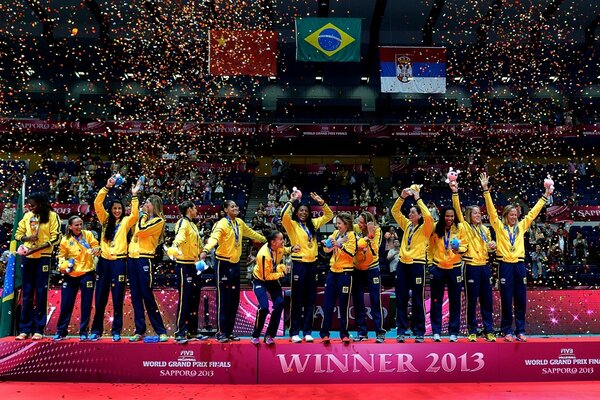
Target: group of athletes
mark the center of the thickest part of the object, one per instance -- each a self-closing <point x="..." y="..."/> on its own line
<point x="457" y="249"/>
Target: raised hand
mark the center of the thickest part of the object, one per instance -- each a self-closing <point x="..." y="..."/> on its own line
<point x="405" y="193"/>
<point x="485" y="180"/>
<point x="111" y="182"/>
<point x="317" y="198"/>
<point x="453" y="186"/>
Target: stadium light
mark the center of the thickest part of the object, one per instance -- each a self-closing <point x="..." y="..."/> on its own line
<point x="272" y="78"/>
<point x="364" y="79"/>
<point x="318" y="78"/>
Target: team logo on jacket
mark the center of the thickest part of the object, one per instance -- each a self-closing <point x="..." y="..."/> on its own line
<point x="121" y="278"/>
<point x="146" y="268"/>
<point x="525" y="280"/>
<point x="45" y="268"/>
<point x="376" y="281"/>
<point x="345" y="289"/>
<point x="64" y="285"/>
<point x="419" y="281"/>
<point x="459" y="279"/>
<point x="296" y="278"/>
<point x="71" y="243"/>
<point x="503" y="281"/>
<point x="89" y="284"/>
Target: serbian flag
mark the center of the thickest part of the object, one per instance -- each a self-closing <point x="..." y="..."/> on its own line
<point x="251" y="53"/>
<point x="413" y="69"/>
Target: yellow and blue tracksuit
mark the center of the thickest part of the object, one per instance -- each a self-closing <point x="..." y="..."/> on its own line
<point x="304" y="275"/>
<point x="111" y="271"/>
<point x="228" y="234"/>
<point x="188" y="241"/>
<point x="367" y="273"/>
<point x="338" y="284"/>
<point x="265" y="281"/>
<point x="446" y="269"/>
<point x="511" y="256"/>
<point x="477" y="273"/>
<point x="35" y="269"/>
<point x="410" y="273"/>
<point x="81" y="277"/>
<point x="144" y="241"/>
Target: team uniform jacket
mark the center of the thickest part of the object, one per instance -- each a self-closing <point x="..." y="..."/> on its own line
<point x="267" y="269"/>
<point x="368" y="257"/>
<point x="119" y="247"/>
<point x="443" y="257"/>
<point x="298" y="235"/>
<point x="223" y="235"/>
<point x="417" y="253"/>
<point x="343" y="257"/>
<point x="47" y="233"/>
<point x="146" y="234"/>
<point x="71" y="248"/>
<point x="187" y="240"/>
<point x="477" y="246"/>
<point x="504" y="252"/>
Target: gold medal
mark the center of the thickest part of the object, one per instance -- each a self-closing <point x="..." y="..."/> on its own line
<point x="512" y="248"/>
<point x="310" y="245"/>
<point x="112" y="243"/>
<point x="408" y="248"/>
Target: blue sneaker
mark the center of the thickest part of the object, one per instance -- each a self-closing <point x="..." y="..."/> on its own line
<point x="58" y="337"/>
<point x="83" y="337"/>
<point x="116" y="337"/>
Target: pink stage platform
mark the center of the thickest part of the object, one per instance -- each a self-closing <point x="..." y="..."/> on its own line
<point x="538" y="360"/>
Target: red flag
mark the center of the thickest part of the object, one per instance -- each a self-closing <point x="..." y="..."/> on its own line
<point x="251" y="53"/>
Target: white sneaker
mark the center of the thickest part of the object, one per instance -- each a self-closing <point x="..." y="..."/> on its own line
<point x="453" y="338"/>
<point x="308" y="339"/>
<point x="437" y="337"/>
<point x="296" y="339"/>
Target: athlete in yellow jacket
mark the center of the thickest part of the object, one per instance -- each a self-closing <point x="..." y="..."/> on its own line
<point x="78" y="248"/>
<point x="477" y="271"/>
<point x="39" y="230"/>
<point x="367" y="273"/>
<point x="228" y="234"/>
<point x="112" y="266"/>
<point x="302" y="231"/>
<point x="410" y="273"/>
<point x="511" y="256"/>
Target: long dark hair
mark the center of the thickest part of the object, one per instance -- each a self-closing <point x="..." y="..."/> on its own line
<point x="440" y="226"/>
<point x="41" y="199"/>
<point x="111" y="223"/>
<point x="309" y="223"/>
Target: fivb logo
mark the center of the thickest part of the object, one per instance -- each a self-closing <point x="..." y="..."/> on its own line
<point x="186" y="355"/>
<point x="567" y="353"/>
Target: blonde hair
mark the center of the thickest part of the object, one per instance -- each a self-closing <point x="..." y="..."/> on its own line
<point x="157" y="207"/>
<point x="507" y="209"/>
<point x="469" y="213"/>
<point x="346" y="219"/>
<point x="368" y="217"/>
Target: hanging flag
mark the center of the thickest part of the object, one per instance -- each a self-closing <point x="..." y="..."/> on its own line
<point x="12" y="276"/>
<point x="328" y="39"/>
<point x="413" y="69"/>
<point x="251" y="53"/>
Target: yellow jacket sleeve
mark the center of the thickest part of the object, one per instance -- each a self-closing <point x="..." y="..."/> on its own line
<point x="132" y="219"/>
<point x="323" y="219"/>
<point x="397" y="214"/>
<point x="428" y="222"/>
<point x="492" y="213"/>
<point x="54" y="224"/>
<point x="286" y="216"/>
<point x="180" y="233"/>
<point x="249" y="232"/>
<point x="265" y="265"/>
<point x="533" y="213"/>
<point x="457" y="208"/>
<point x="21" y="230"/>
<point x="99" y="205"/>
<point x="215" y="235"/>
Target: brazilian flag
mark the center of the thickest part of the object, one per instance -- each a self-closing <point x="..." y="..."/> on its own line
<point x="12" y="277"/>
<point x="328" y="39"/>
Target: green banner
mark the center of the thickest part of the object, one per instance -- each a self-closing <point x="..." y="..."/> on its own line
<point x="328" y="39"/>
<point x="12" y="277"/>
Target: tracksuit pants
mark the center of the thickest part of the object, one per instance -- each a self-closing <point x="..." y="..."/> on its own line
<point x="303" y="283"/>
<point x="110" y="278"/>
<point x="338" y="286"/>
<point x="139" y="272"/>
<point x="478" y="287"/>
<point x="35" y="273"/>
<point x="410" y="277"/>
<point x="262" y="290"/>
<point x="370" y="278"/>
<point x="71" y="285"/>
<point x="440" y="278"/>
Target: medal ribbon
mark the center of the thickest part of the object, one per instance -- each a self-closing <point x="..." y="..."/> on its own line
<point x="273" y="260"/>
<point x="308" y="232"/>
<point x="447" y="238"/>
<point x="411" y="233"/>
<point x="82" y="242"/>
<point x="512" y="236"/>
<point x="485" y="239"/>
<point x="235" y="228"/>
